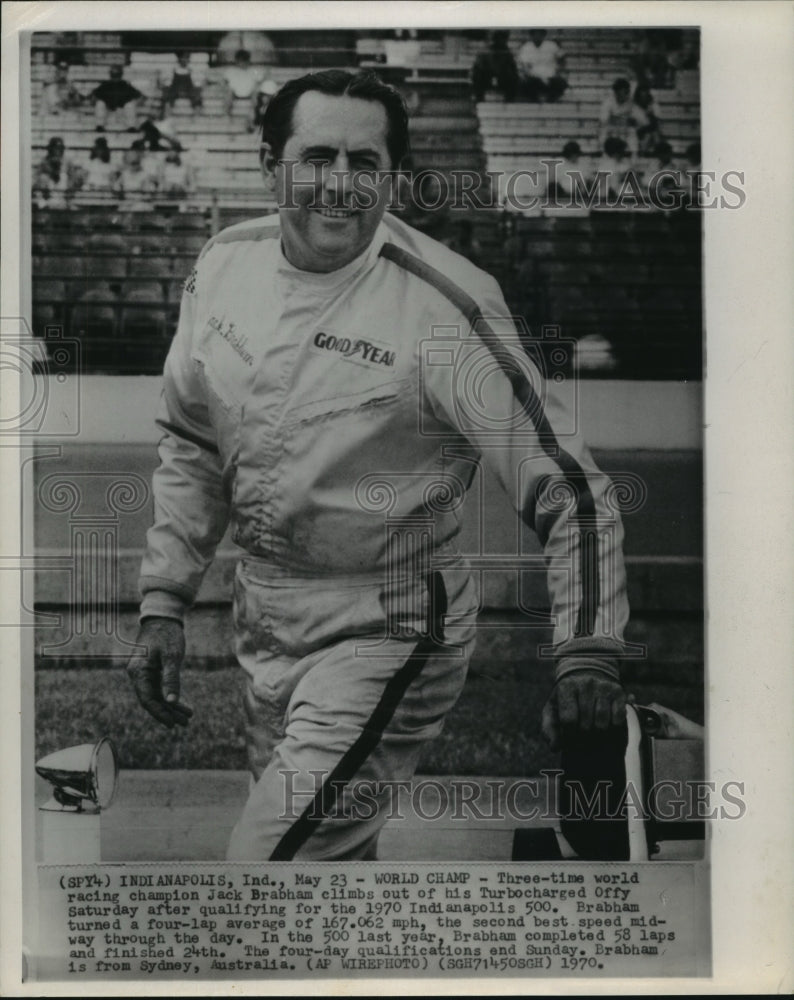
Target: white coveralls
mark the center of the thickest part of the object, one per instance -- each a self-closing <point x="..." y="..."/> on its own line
<point x="336" y="420"/>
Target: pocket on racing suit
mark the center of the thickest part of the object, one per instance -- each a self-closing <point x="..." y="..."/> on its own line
<point x="370" y="398"/>
<point x="292" y="617"/>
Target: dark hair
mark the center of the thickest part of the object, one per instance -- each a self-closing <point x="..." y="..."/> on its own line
<point x="664" y="150"/>
<point x="615" y="147"/>
<point x="150" y="132"/>
<point x="621" y="84"/>
<point x="277" y="119"/>
<point x="100" y="150"/>
<point x="571" y="149"/>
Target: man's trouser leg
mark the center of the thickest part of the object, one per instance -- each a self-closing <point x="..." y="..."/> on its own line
<point x="129" y="113"/>
<point x="330" y="733"/>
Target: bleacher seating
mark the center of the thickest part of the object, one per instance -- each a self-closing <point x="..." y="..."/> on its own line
<point x="516" y="136"/>
<point x="112" y="271"/>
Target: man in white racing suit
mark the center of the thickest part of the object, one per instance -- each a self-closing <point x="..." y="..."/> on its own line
<point x="317" y="397"/>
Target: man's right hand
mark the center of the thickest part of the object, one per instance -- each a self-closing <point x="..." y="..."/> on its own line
<point x="155" y="673"/>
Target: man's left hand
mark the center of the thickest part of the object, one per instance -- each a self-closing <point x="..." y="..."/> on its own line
<point x="582" y="702"/>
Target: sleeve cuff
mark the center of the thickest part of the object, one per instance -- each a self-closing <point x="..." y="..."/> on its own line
<point x="162" y="604"/>
<point x="581" y="664"/>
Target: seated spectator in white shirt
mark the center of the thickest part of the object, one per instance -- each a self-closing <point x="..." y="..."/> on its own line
<point x="616" y="163"/>
<point x="136" y="177"/>
<point x="649" y="132"/>
<point x="540" y="64"/>
<point x="57" y="177"/>
<point x="176" y="179"/>
<point x="100" y="171"/>
<point x="620" y="117"/>
<point x="59" y="93"/>
<point x="566" y="182"/>
<point x="241" y="80"/>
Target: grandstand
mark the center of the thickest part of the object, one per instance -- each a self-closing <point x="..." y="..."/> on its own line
<point x="109" y="269"/>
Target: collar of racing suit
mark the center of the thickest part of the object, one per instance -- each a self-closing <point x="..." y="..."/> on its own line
<point x="330" y="279"/>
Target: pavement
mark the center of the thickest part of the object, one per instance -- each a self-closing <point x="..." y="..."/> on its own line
<point x="185" y="816"/>
<point x="188" y="816"/>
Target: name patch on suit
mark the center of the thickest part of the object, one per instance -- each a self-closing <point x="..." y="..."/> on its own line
<point x="237" y="341"/>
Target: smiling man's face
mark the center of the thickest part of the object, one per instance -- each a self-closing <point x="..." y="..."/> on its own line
<point x="327" y="217"/>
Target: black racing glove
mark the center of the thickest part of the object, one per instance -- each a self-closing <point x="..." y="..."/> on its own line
<point x="582" y="702"/>
<point x="155" y="673"/>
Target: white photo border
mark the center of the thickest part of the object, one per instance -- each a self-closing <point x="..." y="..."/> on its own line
<point x="747" y="78"/>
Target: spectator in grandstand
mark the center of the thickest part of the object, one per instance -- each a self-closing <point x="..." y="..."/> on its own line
<point x="649" y="131"/>
<point x="402" y="47"/>
<point x="686" y="55"/>
<point x="137" y="178"/>
<point x="60" y="94"/>
<point x="680" y="53"/>
<point x="566" y="181"/>
<point x="620" y="117"/>
<point x="152" y="159"/>
<point x="664" y="156"/>
<point x="166" y="130"/>
<point x="495" y="69"/>
<point x="100" y="172"/>
<point x="176" y="179"/>
<point x="57" y="177"/>
<point x="262" y="95"/>
<point x="69" y="49"/>
<point x="156" y="137"/>
<point x="651" y="64"/>
<point x="240" y="83"/>
<point x="182" y="84"/>
<point x="541" y="62"/>
<point x="615" y="164"/>
<point x="259" y="45"/>
<point x="116" y="94"/>
<point x="663" y="181"/>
